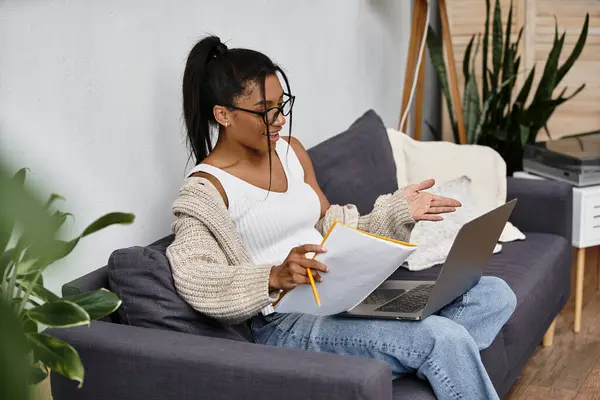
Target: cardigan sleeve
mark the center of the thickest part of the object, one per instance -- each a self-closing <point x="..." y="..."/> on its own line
<point x="390" y="217"/>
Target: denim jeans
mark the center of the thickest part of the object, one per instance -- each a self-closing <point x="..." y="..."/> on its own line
<point x="443" y="348"/>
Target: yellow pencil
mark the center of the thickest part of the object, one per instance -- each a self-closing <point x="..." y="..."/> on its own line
<point x="310" y="277"/>
<point x="314" y="287"/>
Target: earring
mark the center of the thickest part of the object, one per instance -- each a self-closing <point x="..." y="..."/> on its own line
<point x="226" y="124"/>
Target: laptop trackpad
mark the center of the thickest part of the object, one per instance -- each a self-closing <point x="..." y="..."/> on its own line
<point x="381" y="296"/>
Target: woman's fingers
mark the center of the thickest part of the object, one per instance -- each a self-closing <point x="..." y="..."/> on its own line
<point x="309" y="248"/>
<point x="441" y="210"/>
<point x="439" y="201"/>
<point x="426" y="184"/>
<point x="300" y="274"/>
<point x="430" y="217"/>
<point x="312" y="264"/>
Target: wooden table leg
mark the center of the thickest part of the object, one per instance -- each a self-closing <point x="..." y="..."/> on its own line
<point x="549" y="336"/>
<point x="579" y="288"/>
<point x="598" y="263"/>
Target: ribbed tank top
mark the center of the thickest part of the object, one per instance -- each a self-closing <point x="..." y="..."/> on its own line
<point x="271" y="223"/>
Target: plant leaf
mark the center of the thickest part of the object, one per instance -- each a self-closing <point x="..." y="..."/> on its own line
<point x="524" y="93"/>
<point x="436" y="53"/>
<point x="97" y="304"/>
<point x="506" y="54"/>
<point x="27" y="267"/>
<point x="59" y="314"/>
<point x="472" y="109"/>
<point x="467" y="60"/>
<point x="436" y="134"/>
<point x="486" y="111"/>
<point x="6" y="260"/>
<point x="496" y="44"/>
<point x="547" y="82"/>
<point x="29" y="325"/>
<point x="52" y="199"/>
<point x="38" y="291"/>
<point x="107" y="220"/>
<point x="508" y="72"/>
<point x="6" y="231"/>
<point x="59" y="218"/>
<point x="22" y="205"/>
<point x="484" y="57"/>
<point x="472" y="66"/>
<point x="58" y="250"/>
<point x="562" y="71"/>
<point x="37" y="374"/>
<point x="14" y="368"/>
<point x="480" y="125"/>
<point x="524" y="134"/>
<point x="7" y="221"/>
<point x="540" y="112"/>
<point x="20" y="176"/>
<point x="56" y="355"/>
<point x="516" y="44"/>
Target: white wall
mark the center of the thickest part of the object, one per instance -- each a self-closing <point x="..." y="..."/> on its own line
<point x="90" y="93"/>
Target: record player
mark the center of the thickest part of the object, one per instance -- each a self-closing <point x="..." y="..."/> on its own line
<point x="572" y="159"/>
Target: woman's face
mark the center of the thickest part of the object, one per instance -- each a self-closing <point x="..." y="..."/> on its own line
<point x="250" y="129"/>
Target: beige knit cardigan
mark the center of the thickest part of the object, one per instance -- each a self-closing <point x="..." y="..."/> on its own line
<point x="212" y="269"/>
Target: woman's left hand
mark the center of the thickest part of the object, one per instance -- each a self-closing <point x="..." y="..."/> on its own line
<point x="425" y="206"/>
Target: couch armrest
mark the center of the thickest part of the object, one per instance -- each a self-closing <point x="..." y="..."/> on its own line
<point x="128" y="362"/>
<point x="544" y="206"/>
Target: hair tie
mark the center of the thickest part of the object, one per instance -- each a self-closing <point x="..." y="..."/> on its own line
<point x="217" y="52"/>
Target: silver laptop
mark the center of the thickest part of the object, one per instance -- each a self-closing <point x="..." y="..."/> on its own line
<point x="470" y="253"/>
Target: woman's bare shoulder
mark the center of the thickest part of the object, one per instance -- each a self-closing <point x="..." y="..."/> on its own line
<point x="215" y="182"/>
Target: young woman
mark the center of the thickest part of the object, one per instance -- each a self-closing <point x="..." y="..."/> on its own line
<point x="251" y="209"/>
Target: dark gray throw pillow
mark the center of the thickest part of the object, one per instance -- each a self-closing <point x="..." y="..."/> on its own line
<point x="141" y="277"/>
<point x="357" y="165"/>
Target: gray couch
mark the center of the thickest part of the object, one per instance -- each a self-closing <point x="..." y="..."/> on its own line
<point x="156" y="347"/>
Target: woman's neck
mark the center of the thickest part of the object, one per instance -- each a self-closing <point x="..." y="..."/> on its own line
<point x="231" y="152"/>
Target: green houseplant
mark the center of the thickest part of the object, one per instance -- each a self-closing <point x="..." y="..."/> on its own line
<point x="29" y="243"/>
<point x="497" y="114"/>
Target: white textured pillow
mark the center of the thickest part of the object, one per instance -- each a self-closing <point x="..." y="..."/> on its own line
<point x="417" y="160"/>
<point x="434" y="239"/>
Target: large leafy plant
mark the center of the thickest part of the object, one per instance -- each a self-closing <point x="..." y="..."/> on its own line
<point x="29" y="243"/>
<point x="496" y="112"/>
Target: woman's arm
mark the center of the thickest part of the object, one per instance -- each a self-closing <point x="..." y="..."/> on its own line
<point x="206" y="281"/>
<point x="390" y="216"/>
<point x="394" y="215"/>
<point x="228" y="289"/>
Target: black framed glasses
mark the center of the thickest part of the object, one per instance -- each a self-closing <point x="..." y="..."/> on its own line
<point x="270" y="115"/>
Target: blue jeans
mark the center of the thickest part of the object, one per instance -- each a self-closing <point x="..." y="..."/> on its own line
<point x="443" y="348"/>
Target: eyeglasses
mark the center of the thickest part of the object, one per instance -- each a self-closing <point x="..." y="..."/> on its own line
<point x="270" y="115"/>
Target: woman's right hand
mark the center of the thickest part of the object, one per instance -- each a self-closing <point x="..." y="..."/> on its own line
<point x="293" y="270"/>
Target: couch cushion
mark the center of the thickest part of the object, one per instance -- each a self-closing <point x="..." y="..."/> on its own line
<point x="412" y="388"/>
<point x="357" y="165"/>
<point x="538" y="271"/>
<point x="141" y="277"/>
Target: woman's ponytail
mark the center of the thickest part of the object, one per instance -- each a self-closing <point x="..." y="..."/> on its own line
<point x="197" y="110"/>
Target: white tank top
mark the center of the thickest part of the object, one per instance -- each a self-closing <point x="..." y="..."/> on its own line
<point x="270" y="226"/>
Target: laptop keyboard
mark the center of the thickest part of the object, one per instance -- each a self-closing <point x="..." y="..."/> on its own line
<point x="411" y="301"/>
<point x="381" y="296"/>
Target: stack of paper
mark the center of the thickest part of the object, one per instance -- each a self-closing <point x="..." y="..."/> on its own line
<point x="357" y="263"/>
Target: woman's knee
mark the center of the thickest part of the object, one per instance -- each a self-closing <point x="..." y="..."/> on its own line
<point x="498" y="290"/>
<point x="446" y="333"/>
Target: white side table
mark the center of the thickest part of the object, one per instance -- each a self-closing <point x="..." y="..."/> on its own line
<point x="586" y="233"/>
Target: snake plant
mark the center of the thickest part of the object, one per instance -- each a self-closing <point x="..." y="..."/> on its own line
<point x="29" y="243"/>
<point x="498" y="114"/>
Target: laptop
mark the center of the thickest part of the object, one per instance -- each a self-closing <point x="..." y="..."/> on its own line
<point x="463" y="268"/>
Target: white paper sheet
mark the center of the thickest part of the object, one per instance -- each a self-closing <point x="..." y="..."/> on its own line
<point x="358" y="263"/>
